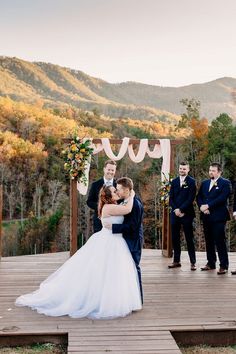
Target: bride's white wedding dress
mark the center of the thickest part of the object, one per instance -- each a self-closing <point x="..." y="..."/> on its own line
<point x="99" y="281"/>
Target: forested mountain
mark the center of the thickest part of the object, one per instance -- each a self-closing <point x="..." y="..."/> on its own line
<point x="55" y="85"/>
<point x="42" y="104"/>
<point x="36" y="190"/>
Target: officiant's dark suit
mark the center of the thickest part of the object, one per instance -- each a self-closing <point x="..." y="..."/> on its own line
<point x="132" y="230"/>
<point x="234" y="215"/>
<point x="214" y="222"/>
<point x="92" y="200"/>
<point x="182" y="198"/>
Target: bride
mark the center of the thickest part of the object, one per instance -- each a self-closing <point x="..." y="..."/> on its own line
<point x="100" y="280"/>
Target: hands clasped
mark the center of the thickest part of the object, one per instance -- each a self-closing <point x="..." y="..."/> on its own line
<point x="205" y="209"/>
<point x="178" y="213"/>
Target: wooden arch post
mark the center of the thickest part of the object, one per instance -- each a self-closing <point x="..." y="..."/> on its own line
<point x="73" y="216"/>
<point x="166" y="232"/>
<point x="166" y="227"/>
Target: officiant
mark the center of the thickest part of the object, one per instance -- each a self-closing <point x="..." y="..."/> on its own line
<point x="109" y="171"/>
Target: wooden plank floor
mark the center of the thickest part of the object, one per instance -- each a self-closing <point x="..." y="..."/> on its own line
<point x="173" y="300"/>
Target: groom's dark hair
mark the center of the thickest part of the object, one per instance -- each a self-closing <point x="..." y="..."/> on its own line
<point x="126" y="182"/>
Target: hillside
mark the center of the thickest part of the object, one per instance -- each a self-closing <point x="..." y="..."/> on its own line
<point x="56" y="86"/>
<point x="216" y="97"/>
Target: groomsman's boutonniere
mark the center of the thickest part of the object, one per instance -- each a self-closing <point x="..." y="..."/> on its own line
<point x="184" y="184"/>
<point x="215" y="185"/>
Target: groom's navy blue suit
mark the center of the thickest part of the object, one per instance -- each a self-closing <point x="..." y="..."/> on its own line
<point x="214" y="223"/>
<point x="182" y="198"/>
<point x="132" y="230"/>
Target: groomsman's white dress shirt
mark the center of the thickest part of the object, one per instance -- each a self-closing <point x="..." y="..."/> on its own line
<point x="108" y="182"/>
<point x="182" y="179"/>
<point x="213" y="181"/>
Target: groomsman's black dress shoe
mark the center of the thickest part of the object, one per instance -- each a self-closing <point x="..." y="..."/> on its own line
<point x="233" y="272"/>
<point x="193" y="267"/>
<point x="174" y="265"/>
<point x="222" y="271"/>
<point x="207" y="267"/>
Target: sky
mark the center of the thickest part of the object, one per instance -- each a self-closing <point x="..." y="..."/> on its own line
<point x="157" y="42"/>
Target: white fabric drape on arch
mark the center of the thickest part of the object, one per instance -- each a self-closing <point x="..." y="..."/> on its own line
<point x="160" y="150"/>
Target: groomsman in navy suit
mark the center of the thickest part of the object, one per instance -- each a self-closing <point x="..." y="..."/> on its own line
<point x="92" y="201"/>
<point x="212" y="200"/>
<point x="234" y="207"/>
<point x="182" y="195"/>
<point x="234" y="215"/>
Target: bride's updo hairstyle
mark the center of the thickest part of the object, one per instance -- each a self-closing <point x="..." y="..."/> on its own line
<point x="105" y="197"/>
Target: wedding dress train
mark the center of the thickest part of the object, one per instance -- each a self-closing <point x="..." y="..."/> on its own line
<point x="99" y="281"/>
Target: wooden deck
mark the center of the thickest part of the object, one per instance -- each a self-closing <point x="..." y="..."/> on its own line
<point x="174" y="300"/>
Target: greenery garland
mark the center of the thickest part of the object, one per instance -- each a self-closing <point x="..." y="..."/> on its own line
<point x="76" y="155"/>
<point x="164" y="191"/>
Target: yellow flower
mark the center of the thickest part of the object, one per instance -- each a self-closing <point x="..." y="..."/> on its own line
<point x="75" y="159"/>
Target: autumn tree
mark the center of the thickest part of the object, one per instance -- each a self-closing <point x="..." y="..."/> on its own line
<point x="195" y="147"/>
<point x="222" y="143"/>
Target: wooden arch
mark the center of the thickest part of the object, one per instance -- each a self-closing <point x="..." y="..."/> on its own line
<point x="166" y="232"/>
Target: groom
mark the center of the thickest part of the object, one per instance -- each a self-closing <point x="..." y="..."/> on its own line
<point x="132" y="227"/>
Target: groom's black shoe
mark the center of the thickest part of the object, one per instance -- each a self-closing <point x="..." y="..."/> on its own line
<point x="174" y="265"/>
<point x="233" y="272"/>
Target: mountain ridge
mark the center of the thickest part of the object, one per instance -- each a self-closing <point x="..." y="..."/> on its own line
<point x="57" y="85"/>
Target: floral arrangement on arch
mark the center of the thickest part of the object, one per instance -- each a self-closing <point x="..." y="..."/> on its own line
<point x="164" y="191"/>
<point x="76" y="155"/>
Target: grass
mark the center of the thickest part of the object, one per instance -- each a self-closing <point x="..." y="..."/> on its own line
<point x="204" y="349"/>
<point x="47" y="348"/>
